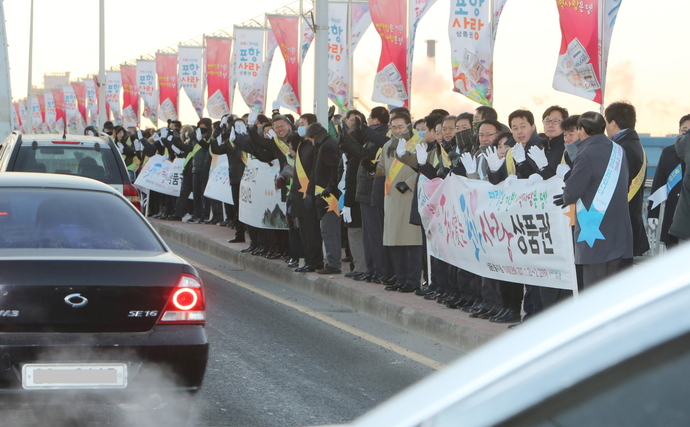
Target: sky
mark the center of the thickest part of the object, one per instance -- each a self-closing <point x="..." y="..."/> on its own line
<point x="648" y="65"/>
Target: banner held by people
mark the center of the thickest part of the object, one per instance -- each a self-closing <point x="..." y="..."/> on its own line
<point x="260" y="203"/>
<point x="513" y="233"/>
<point x="218" y="186"/>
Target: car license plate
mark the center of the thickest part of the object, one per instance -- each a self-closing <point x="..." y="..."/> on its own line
<point x="74" y="376"/>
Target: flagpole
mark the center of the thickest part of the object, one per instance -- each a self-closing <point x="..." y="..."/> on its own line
<point x="300" y="26"/>
<point x="602" y="46"/>
<point x="29" y="92"/>
<point x="492" y="34"/>
<point x="266" y="59"/>
<point x="350" y="59"/>
<point x="321" y="61"/>
<point x="410" y="48"/>
<point x="102" y="117"/>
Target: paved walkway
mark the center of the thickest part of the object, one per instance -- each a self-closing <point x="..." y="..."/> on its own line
<point x="413" y="313"/>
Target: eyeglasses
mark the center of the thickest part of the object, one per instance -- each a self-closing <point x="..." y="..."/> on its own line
<point x="487" y="135"/>
<point x="552" y="121"/>
<point x="399" y="127"/>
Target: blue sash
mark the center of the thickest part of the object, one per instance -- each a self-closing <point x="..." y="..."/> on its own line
<point x="661" y="194"/>
<point x="590" y="219"/>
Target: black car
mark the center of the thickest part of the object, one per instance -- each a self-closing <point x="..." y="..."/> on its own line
<point x="93" y="304"/>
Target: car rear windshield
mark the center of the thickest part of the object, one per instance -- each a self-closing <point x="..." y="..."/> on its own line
<point x="81" y="160"/>
<point x="71" y="219"/>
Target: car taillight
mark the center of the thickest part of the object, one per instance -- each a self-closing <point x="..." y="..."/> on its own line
<point x="66" y="142"/>
<point x="132" y="194"/>
<point x="186" y="303"/>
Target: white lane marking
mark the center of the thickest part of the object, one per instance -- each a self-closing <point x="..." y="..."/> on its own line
<point x="327" y="319"/>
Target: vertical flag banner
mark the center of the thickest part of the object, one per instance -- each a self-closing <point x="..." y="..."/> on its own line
<point x="338" y="56"/>
<point x="50" y="111"/>
<point x="578" y="68"/>
<point x="91" y="101"/>
<point x="146" y="84"/>
<point x="24" y="115"/>
<point x="390" y="20"/>
<point x="249" y="67"/>
<point x="42" y="105"/>
<point x="130" y="96"/>
<point x="581" y="70"/>
<point x="80" y="92"/>
<point x="472" y="48"/>
<point x="190" y="62"/>
<point x="287" y="34"/>
<point x="16" y="121"/>
<point x="166" y="68"/>
<point x="36" y="118"/>
<point x="271" y="45"/>
<point x="418" y="8"/>
<point x="218" y="75"/>
<point x="360" y="19"/>
<point x="72" y="115"/>
<point x="113" y="84"/>
<point x="60" y="113"/>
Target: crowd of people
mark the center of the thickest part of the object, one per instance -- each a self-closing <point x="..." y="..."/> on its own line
<point x="351" y="184"/>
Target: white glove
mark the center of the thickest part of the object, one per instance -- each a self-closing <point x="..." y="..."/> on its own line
<point x="140" y="136"/>
<point x="224" y="121"/>
<point x="346" y="214"/>
<point x="240" y="127"/>
<point x="138" y="146"/>
<point x="468" y="162"/>
<point x="120" y="147"/>
<point x="271" y="134"/>
<point x="535" y="177"/>
<point x="537" y="154"/>
<point x="402" y="147"/>
<point x="90" y="133"/>
<point x="220" y="139"/>
<point x="422" y="154"/>
<point x="653" y="222"/>
<point x="232" y="134"/>
<point x="561" y="170"/>
<point x="252" y="118"/>
<point x="519" y="153"/>
<point x="156" y="137"/>
<point x="164" y="132"/>
<point x="198" y="134"/>
<point x="492" y="159"/>
<point x="509" y="180"/>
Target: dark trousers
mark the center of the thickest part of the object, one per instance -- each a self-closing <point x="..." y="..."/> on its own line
<point x="372" y="230"/>
<point x="198" y="185"/>
<point x="511" y="295"/>
<point x="440" y="273"/>
<point x="408" y="264"/>
<point x="239" y="226"/>
<point x="490" y="292"/>
<point x="295" y="251"/>
<point x="595" y="273"/>
<point x="466" y="284"/>
<point x="310" y="235"/>
<point x="185" y="191"/>
<point x="533" y="303"/>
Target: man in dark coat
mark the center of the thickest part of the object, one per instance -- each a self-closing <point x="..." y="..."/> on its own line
<point x="620" y="127"/>
<point x="603" y="232"/>
<point x="681" y="219"/>
<point x="325" y="177"/>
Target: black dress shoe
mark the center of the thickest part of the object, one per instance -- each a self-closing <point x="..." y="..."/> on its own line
<point x="158" y="215"/>
<point x="408" y="288"/>
<point x="353" y="273"/>
<point x="247" y="249"/>
<point x="376" y="280"/>
<point x="509" y="316"/>
<point x="223" y="223"/>
<point x="499" y="314"/>
<point x="473" y="308"/>
<point x="491" y="313"/>
<point x="236" y="239"/>
<point x="174" y="218"/>
<point x="363" y="278"/>
<point x="476" y="314"/>
<point x="433" y="296"/>
<point x="446" y="299"/>
<point x="293" y="263"/>
<point x="392" y="287"/>
<point x="213" y="221"/>
<point x="305" y="269"/>
<point x="390" y="281"/>
<point x="423" y="292"/>
<point x="272" y="255"/>
<point x="456" y="302"/>
<point x="329" y="270"/>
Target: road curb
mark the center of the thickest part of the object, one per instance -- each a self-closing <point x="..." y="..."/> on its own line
<point x="462" y="337"/>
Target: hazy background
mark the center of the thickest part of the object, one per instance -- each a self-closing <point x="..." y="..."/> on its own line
<point x="647" y="61"/>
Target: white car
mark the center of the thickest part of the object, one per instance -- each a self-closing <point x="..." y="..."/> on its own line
<point x="617" y="356"/>
<point x="93" y="157"/>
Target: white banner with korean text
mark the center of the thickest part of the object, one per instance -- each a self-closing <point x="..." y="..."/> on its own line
<point x="161" y="175"/>
<point x="260" y="203"/>
<point x="515" y="234"/>
<point x="218" y="185"/>
<point x="190" y="60"/>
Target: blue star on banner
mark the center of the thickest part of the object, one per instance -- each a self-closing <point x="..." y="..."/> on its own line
<point x="590" y="221"/>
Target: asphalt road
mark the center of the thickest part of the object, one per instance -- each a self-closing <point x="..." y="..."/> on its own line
<point x="282" y="357"/>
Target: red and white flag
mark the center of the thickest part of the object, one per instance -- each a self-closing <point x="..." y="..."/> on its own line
<point x="286" y="31"/>
<point x="390" y="20"/>
<point x="60" y="114"/>
<point x="249" y="66"/>
<point x="218" y="75"/>
<point x="166" y="68"/>
<point x="92" y="101"/>
<point x="130" y="96"/>
<point x="80" y="92"/>
<point x="113" y="84"/>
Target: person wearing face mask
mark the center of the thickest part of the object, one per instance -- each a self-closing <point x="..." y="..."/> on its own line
<point x="465" y="139"/>
<point x="197" y="142"/>
<point x="403" y="238"/>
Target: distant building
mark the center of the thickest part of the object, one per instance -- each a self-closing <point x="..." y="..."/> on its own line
<point x="55" y="80"/>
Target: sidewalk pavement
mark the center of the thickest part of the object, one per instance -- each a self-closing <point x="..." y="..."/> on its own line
<point x="406" y="310"/>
